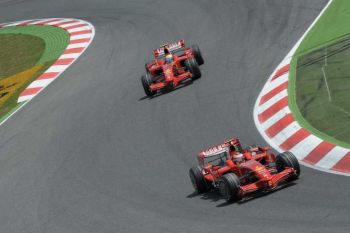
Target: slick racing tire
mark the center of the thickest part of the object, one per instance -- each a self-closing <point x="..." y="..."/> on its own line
<point x="146" y="83"/>
<point x="197" y="180"/>
<point x="193" y="67"/>
<point x="229" y="187"/>
<point x="197" y="54"/>
<point x="288" y="159"/>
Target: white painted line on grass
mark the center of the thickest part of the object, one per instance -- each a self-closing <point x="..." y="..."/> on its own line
<point x="326" y="82"/>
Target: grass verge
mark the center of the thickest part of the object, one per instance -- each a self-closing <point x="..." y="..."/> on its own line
<point x="26" y="52"/>
<point x="331" y="28"/>
<point x="323" y="89"/>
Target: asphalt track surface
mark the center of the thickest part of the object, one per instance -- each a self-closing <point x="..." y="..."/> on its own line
<point x="91" y="154"/>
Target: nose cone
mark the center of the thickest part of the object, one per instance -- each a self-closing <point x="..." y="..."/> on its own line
<point x="263" y="173"/>
<point x="168" y="72"/>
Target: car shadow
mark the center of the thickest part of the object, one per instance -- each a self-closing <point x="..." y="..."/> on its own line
<point x="257" y="195"/>
<point x="214" y="195"/>
<point x="167" y="91"/>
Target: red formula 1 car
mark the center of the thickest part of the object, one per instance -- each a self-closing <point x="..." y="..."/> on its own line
<point x="173" y="64"/>
<point x="237" y="172"/>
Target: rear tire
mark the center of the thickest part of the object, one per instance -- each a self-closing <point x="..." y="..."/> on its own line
<point x="285" y="160"/>
<point x="197" y="54"/>
<point x="229" y="186"/>
<point x="146" y="83"/>
<point x="197" y="180"/>
<point x="193" y="67"/>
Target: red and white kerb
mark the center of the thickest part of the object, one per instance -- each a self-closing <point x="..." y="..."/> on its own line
<point x="81" y="35"/>
<point x="277" y="125"/>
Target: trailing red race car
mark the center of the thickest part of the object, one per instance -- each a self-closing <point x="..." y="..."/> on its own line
<point x="237" y="172"/>
<point x="173" y="64"/>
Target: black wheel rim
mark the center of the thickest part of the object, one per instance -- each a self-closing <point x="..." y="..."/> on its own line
<point x="279" y="166"/>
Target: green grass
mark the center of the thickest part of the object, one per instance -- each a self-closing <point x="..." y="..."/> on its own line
<point x="332" y="27"/>
<point x="326" y="109"/>
<point x="19" y="52"/>
<point x="56" y="39"/>
<point x="24" y="47"/>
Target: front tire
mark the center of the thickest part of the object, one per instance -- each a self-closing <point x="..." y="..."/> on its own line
<point x="193" y="67"/>
<point x="197" y="54"/>
<point x="285" y="160"/>
<point x="198" y="180"/>
<point x="146" y="83"/>
<point x="229" y="186"/>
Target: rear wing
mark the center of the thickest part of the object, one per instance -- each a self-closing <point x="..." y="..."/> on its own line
<point x="213" y="150"/>
<point x="173" y="47"/>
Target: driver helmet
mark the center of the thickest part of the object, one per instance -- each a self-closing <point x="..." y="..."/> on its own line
<point x="238" y="157"/>
<point x="169" y="58"/>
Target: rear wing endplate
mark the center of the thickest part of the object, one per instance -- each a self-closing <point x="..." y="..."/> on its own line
<point x="173" y="47"/>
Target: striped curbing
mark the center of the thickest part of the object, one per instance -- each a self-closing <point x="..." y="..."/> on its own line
<point x="81" y="35"/>
<point x="279" y="128"/>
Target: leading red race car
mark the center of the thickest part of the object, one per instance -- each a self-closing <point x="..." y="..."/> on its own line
<point x="237" y="172"/>
<point x="173" y="64"/>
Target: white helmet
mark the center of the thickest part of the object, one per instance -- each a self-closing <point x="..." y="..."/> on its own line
<point x="238" y="158"/>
